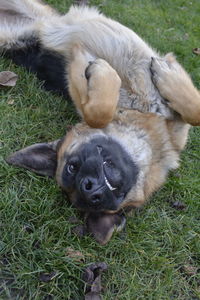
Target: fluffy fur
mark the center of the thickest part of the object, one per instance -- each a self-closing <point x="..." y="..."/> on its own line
<point x="106" y="65"/>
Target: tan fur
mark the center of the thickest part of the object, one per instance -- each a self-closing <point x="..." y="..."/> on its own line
<point x="155" y="102"/>
<point x="97" y="98"/>
<point x="154" y="152"/>
<point x="125" y="52"/>
<point x="176" y="86"/>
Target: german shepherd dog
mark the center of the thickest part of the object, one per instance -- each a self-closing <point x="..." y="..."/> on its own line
<point x="136" y="107"/>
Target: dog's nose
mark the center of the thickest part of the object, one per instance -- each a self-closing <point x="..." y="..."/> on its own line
<point x="88" y="185"/>
<point x="92" y="190"/>
<point x="95" y="198"/>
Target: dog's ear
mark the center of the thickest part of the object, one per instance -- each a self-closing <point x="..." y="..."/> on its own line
<point x="40" y="158"/>
<point x="102" y="225"/>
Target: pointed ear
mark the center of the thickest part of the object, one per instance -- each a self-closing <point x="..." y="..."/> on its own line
<point x="102" y="225"/>
<point x="40" y="158"/>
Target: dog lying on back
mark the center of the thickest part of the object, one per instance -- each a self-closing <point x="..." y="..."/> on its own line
<point x="136" y="106"/>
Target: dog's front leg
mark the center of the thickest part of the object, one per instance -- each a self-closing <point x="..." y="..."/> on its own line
<point x="94" y="87"/>
<point x="175" y="85"/>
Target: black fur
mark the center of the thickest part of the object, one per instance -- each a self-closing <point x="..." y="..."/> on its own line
<point x="49" y="66"/>
<point x="85" y="173"/>
<point x="40" y="158"/>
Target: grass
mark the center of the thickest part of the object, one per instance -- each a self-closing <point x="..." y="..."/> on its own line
<point x="158" y="257"/>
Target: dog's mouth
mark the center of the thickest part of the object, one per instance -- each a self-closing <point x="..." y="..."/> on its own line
<point x="107" y="182"/>
<point x="111" y="188"/>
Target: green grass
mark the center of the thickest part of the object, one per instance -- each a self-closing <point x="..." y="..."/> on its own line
<point x="148" y="260"/>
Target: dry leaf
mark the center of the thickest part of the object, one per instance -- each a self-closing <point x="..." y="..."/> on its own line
<point x="189" y="270"/>
<point x="73" y="220"/>
<point x="75" y="254"/>
<point x="8" y="78"/>
<point x="92" y="278"/>
<point x="92" y="296"/>
<point x="46" y="277"/>
<point x="186" y="36"/>
<point x="11" y="101"/>
<point x="28" y="228"/>
<point x="196" y="51"/>
<point x="179" y="205"/>
<point x="79" y="230"/>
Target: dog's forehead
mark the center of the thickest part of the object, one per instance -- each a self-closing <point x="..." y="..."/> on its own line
<point x="68" y="140"/>
<point x="76" y="138"/>
<point x="132" y="140"/>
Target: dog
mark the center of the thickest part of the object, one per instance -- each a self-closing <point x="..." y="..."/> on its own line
<point x="136" y="108"/>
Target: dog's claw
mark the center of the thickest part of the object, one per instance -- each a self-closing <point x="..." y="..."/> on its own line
<point x="153" y="73"/>
<point x="87" y="70"/>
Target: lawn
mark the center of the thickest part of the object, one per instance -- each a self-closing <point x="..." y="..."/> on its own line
<point x="158" y="255"/>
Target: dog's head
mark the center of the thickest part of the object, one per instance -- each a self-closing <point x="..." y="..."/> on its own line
<point x="97" y="173"/>
<point x="93" y="166"/>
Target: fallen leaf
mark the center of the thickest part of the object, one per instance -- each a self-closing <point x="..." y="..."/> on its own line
<point x="74" y="254"/>
<point x="170" y="29"/>
<point x="48" y="297"/>
<point x="8" y="78"/>
<point x="28" y="228"/>
<point x="92" y="279"/>
<point x="79" y="230"/>
<point x="196" y="51"/>
<point x="92" y="296"/>
<point x="178" y="205"/>
<point x="96" y="285"/>
<point x="189" y="270"/>
<point x="46" y="277"/>
<point x="11" y="101"/>
<point x="186" y="36"/>
<point x="73" y="220"/>
<point x="36" y="244"/>
<point x="183" y="7"/>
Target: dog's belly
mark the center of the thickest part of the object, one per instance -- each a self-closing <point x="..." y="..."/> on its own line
<point x="50" y="67"/>
<point x="132" y="101"/>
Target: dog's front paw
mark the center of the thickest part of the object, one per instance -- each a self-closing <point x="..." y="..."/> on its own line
<point x="103" y="84"/>
<point x="100" y="73"/>
<point x="169" y="77"/>
<point x="175" y="85"/>
<point x="164" y="74"/>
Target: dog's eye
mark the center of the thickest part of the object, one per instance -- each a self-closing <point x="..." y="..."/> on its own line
<point x="73" y="164"/>
<point x="108" y="163"/>
<point x="72" y="168"/>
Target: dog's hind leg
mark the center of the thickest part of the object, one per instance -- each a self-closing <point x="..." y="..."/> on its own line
<point x="19" y="21"/>
<point x="94" y="87"/>
<point x="175" y="85"/>
<point x="33" y="9"/>
<point x="15" y="30"/>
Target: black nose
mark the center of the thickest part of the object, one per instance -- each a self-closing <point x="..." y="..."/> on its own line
<point x="89" y="185"/>
<point x="95" y="198"/>
<point x="92" y="190"/>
